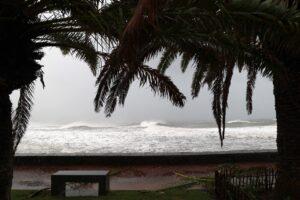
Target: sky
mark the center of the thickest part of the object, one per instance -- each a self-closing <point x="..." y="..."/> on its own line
<point x="70" y="90"/>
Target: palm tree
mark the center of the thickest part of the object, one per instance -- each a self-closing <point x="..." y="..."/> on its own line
<point x="217" y="36"/>
<point x="87" y="29"/>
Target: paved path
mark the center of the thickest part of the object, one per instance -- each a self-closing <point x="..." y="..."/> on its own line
<point x="147" y="177"/>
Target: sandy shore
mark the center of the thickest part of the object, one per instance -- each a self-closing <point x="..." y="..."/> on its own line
<point x="139" y="177"/>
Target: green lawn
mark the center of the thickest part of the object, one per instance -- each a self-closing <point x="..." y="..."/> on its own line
<point x="170" y="194"/>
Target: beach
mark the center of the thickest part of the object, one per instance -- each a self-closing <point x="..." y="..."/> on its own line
<point x="151" y="155"/>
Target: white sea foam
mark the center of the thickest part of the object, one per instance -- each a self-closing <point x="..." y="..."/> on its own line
<point x="241" y="121"/>
<point x="146" y="137"/>
<point x="88" y="125"/>
<point x="151" y="123"/>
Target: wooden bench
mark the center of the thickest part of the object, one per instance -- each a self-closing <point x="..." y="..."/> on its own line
<point x="60" y="178"/>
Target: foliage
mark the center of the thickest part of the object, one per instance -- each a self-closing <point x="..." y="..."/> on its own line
<point x="87" y="29"/>
<point x="115" y="79"/>
<point x="22" y="113"/>
<point x="217" y="37"/>
<point x="30" y="25"/>
<point x="253" y="183"/>
<point x="214" y="36"/>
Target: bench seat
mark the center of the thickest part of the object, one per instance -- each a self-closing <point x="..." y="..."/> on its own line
<point x="60" y="178"/>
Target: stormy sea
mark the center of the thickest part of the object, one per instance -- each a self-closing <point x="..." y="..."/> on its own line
<point x="81" y="138"/>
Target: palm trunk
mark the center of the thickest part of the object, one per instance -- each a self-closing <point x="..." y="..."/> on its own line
<point x="287" y="103"/>
<point x="6" y="147"/>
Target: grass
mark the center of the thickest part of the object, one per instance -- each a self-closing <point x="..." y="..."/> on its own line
<point x="169" y="194"/>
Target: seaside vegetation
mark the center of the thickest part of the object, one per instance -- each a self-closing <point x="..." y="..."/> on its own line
<point x="86" y="29"/>
<point x="259" y="36"/>
<point x="218" y="38"/>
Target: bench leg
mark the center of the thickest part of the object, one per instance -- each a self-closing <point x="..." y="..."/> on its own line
<point x="103" y="186"/>
<point x="58" y="187"/>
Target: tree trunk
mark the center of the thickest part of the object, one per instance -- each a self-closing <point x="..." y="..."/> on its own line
<point x="287" y="103"/>
<point x="6" y="147"/>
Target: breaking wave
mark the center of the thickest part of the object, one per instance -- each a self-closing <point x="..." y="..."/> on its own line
<point x="152" y="123"/>
<point x="241" y="121"/>
<point x="144" y="137"/>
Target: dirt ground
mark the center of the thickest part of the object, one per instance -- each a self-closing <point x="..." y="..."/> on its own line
<point x="140" y="177"/>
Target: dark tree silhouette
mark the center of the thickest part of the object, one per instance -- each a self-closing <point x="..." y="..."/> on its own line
<point x="87" y="29"/>
<point x="216" y="37"/>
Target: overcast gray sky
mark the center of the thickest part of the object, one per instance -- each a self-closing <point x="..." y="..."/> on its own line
<point x="70" y="89"/>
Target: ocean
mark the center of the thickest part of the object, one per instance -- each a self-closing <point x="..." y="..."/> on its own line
<point x="151" y="137"/>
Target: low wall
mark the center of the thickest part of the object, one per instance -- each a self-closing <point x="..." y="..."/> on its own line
<point x="166" y="158"/>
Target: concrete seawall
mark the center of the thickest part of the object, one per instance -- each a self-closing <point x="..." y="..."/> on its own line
<point x="163" y="159"/>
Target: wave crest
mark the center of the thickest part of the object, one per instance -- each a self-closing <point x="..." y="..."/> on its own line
<point x="84" y="126"/>
<point x="238" y="121"/>
<point x="152" y="123"/>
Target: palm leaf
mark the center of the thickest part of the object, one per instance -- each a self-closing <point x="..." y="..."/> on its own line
<point x="116" y="77"/>
<point x="217" y="36"/>
<point x="22" y="113"/>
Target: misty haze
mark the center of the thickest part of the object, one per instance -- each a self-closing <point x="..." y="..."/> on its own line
<point x="70" y="91"/>
<point x="149" y="99"/>
<point x="64" y="120"/>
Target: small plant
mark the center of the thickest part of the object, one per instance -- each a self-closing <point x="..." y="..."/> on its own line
<point x="232" y="182"/>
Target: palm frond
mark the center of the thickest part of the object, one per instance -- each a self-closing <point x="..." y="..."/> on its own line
<point x="77" y="44"/>
<point x="22" y="113"/>
<point x="166" y="60"/>
<point x="161" y="84"/>
<point x="252" y="74"/>
<point x="217" y="36"/>
<point x="225" y="93"/>
<point x="216" y="103"/>
<point x="116" y="77"/>
<point x="186" y="58"/>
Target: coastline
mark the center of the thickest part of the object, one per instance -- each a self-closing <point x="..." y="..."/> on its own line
<point x="135" y="171"/>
